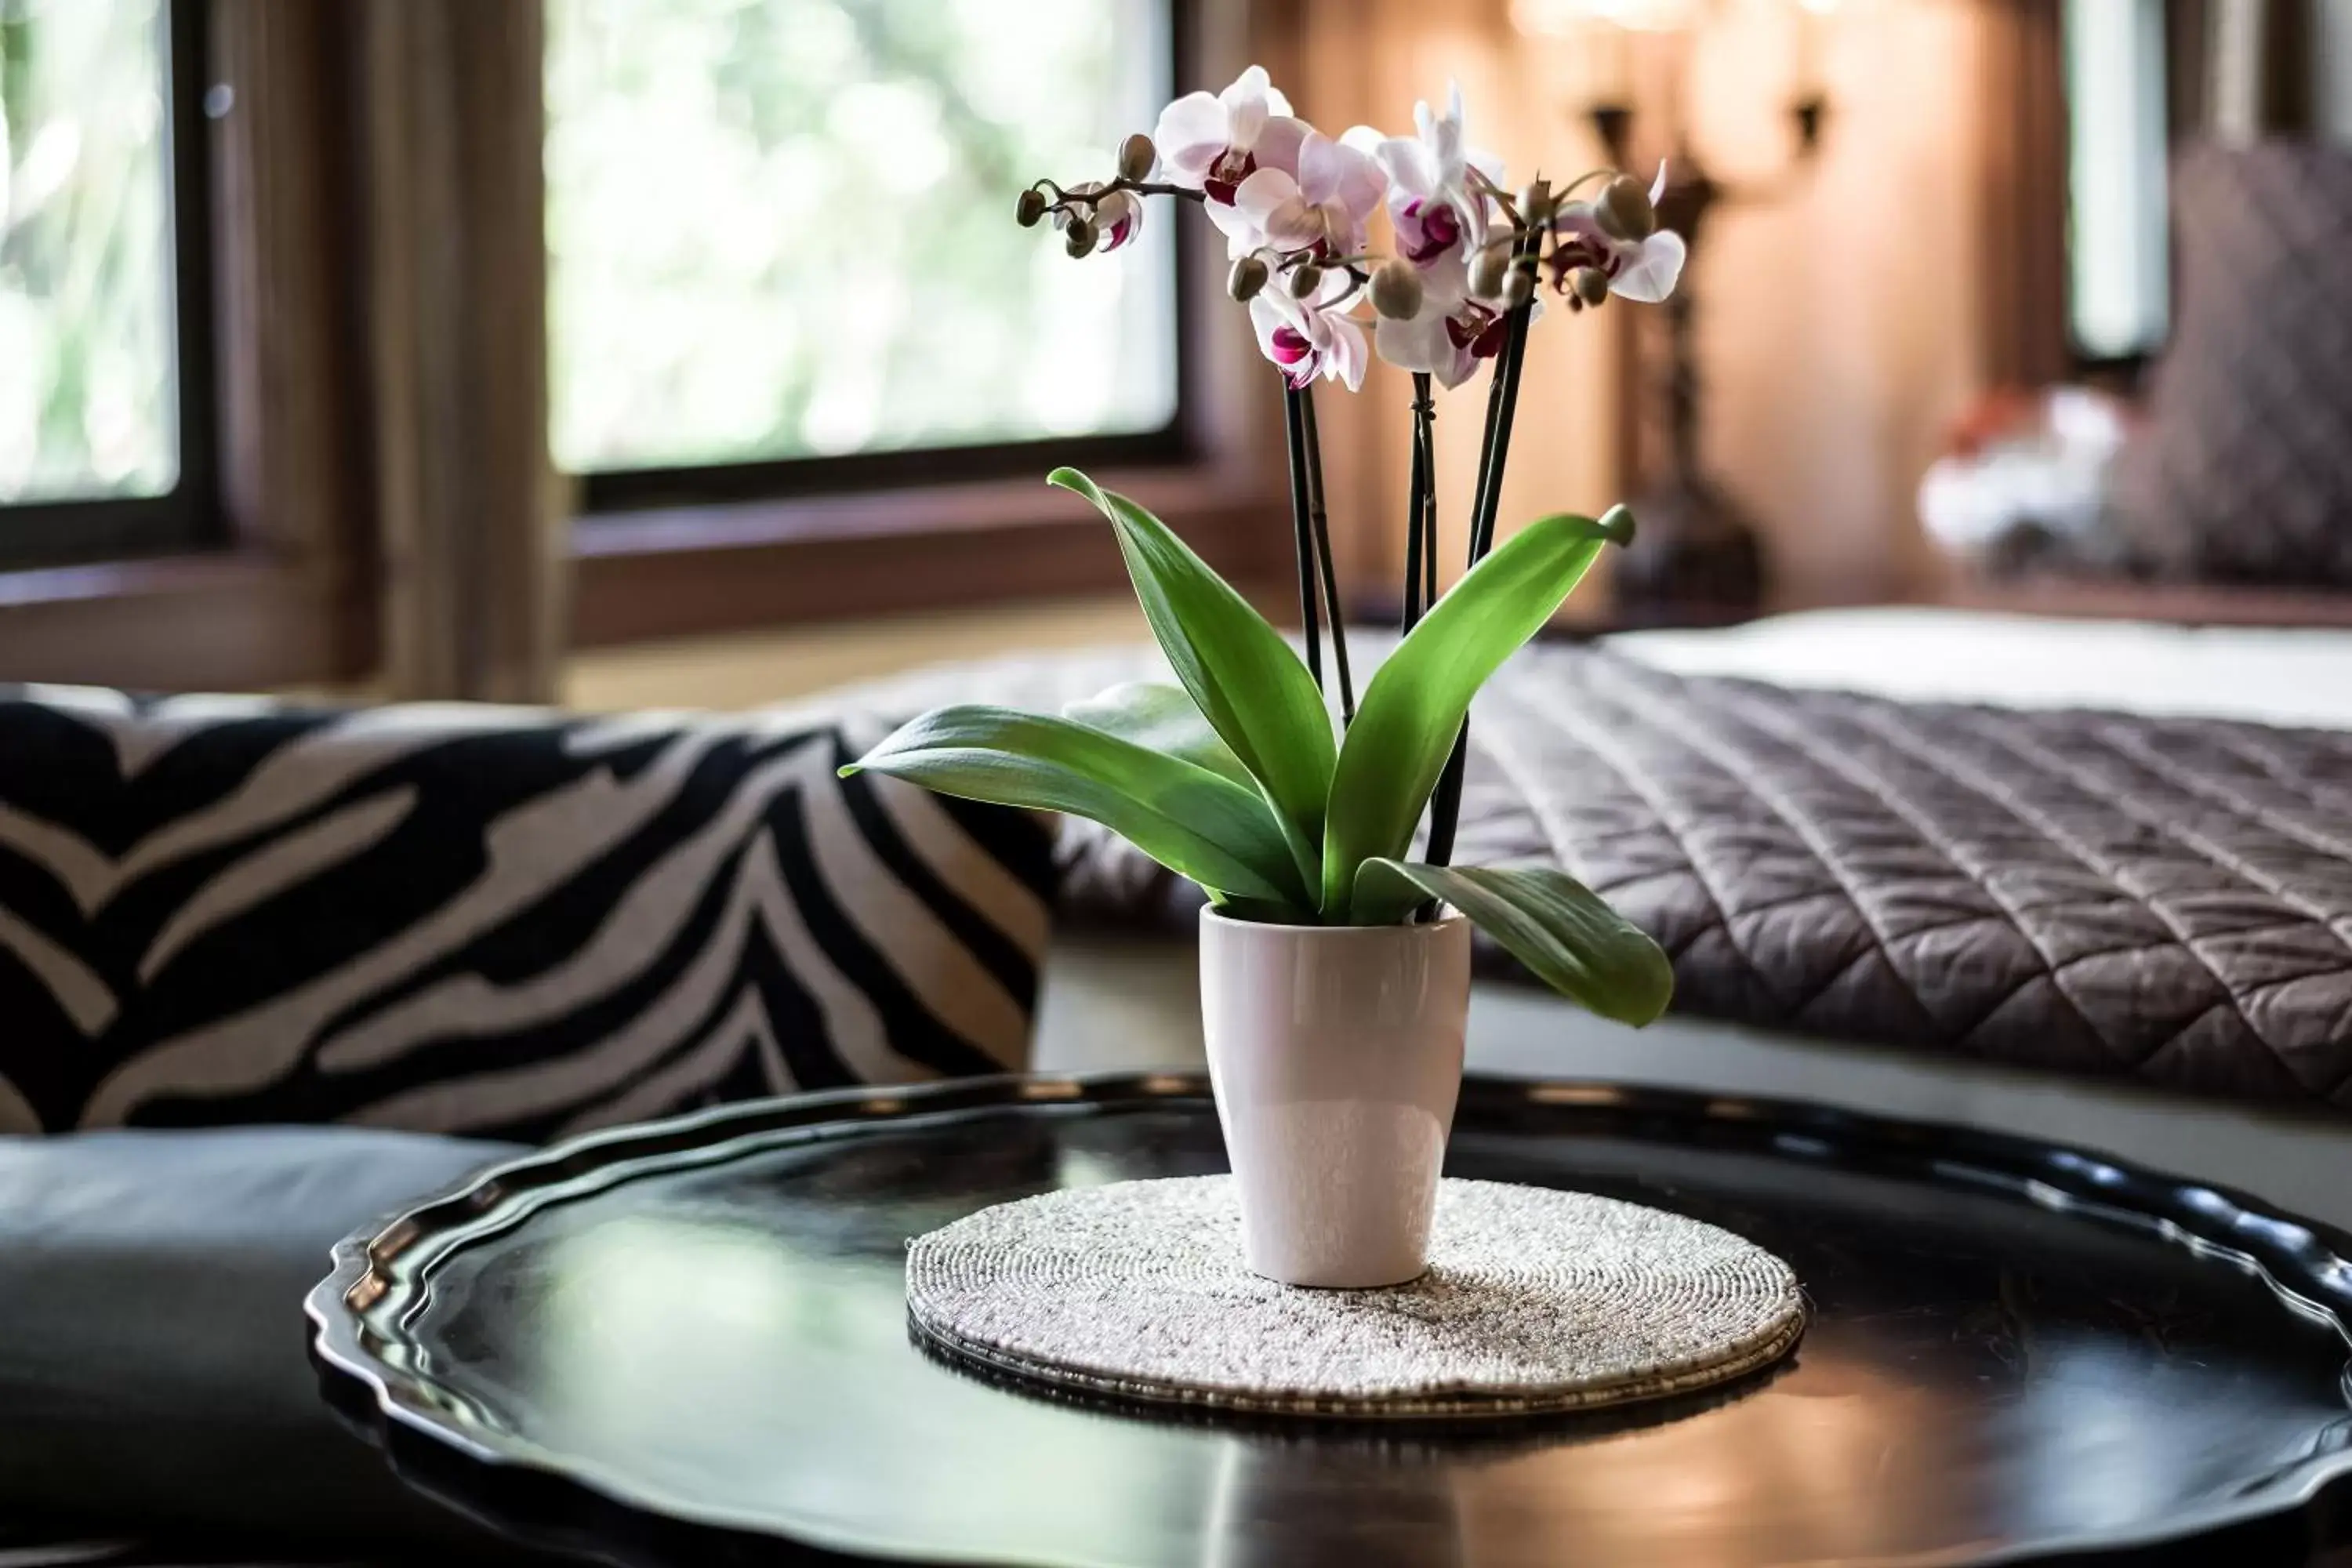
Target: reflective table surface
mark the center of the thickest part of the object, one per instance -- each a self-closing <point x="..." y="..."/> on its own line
<point x="688" y="1345"/>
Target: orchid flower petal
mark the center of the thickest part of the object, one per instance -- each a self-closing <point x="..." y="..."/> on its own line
<point x="1348" y="356"/>
<point x="1652" y="268"/>
<point x="1319" y="167"/>
<point x="1246" y="106"/>
<point x="1191" y="136"/>
<point x="1241" y="232"/>
<point x="1658" y="185"/>
<point x="1278" y="143"/>
<point x="1265" y="194"/>
<point x="1411" y="171"/>
<point x="1419" y="344"/>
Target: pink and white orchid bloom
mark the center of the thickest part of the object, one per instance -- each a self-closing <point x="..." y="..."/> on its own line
<point x="1308" y="338"/>
<point x="1212" y="142"/>
<point x="1118" y="216"/>
<point x="1434" y="203"/>
<point x="1451" y="333"/>
<point x="1323" y="207"/>
<point x="1642" y="270"/>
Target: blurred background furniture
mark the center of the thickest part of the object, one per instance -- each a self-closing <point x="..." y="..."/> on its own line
<point x="497" y="922"/>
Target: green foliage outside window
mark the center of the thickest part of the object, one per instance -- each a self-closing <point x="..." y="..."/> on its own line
<point x="777" y="228"/>
<point x="87" y="335"/>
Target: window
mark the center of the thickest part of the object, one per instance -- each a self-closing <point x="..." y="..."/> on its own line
<point x="104" y="440"/>
<point x="781" y="250"/>
<point x="2118" y="282"/>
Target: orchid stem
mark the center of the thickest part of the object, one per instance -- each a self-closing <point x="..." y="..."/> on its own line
<point x="1421" y="517"/>
<point x="1429" y="507"/>
<point x="1502" y="403"/>
<point x="1416" y="507"/>
<point x="1302" y="525"/>
<point x="1321" y="524"/>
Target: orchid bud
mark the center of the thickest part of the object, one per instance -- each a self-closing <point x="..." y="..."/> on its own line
<point x="1518" y="287"/>
<point x="1537" y="204"/>
<point x="1624" y="210"/>
<point x="1488" y="269"/>
<point x="1031" y="210"/>
<point x="1590" y="284"/>
<point x="1136" y="157"/>
<point x="1305" y="280"/>
<point x="1247" y="277"/>
<point x="1079" y="237"/>
<point x="1396" y="290"/>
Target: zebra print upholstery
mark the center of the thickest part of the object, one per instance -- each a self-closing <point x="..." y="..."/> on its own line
<point x="497" y="922"/>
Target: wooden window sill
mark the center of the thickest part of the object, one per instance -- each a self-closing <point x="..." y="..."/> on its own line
<point x="681" y="571"/>
<point x="229" y="621"/>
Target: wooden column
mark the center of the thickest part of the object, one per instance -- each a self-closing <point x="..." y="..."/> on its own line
<point x="2022" y="175"/>
<point x="474" y="592"/>
<point x="292" y="410"/>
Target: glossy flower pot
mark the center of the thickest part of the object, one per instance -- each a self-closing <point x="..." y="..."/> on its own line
<point x="1335" y="1055"/>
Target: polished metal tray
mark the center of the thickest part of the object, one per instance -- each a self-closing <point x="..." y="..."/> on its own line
<point x="685" y="1343"/>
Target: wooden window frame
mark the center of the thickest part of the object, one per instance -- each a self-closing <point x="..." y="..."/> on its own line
<point x="41" y="532"/>
<point x="309" y="578"/>
<point x="919" y="530"/>
<point x="276" y="595"/>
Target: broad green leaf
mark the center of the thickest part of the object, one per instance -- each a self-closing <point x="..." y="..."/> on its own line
<point x="1413" y="709"/>
<point x="1558" y="927"/>
<point x="1246" y="682"/>
<point x="1162" y="719"/>
<point x="1188" y="819"/>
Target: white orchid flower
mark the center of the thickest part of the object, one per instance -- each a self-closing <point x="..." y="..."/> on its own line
<point x="1212" y="142"/>
<point x="1433" y="199"/>
<point x="1308" y="338"/>
<point x="1118" y="216"/>
<point x="1323" y="207"/>
<point x="1642" y="270"/>
<point x="1451" y="333"/>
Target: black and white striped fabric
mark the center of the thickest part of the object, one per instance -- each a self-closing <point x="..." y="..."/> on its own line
<point x="498" y="922"/>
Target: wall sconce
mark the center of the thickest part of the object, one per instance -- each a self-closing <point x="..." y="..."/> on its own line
<point x="1697" y="557"/>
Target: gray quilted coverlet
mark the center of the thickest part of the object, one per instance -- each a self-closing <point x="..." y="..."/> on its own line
<point x="2164" y="899"/>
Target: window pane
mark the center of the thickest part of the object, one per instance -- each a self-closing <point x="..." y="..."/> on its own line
<point x="86" y="333"/>
<point x="783" y="228"/>
<point x="2115" y="97"/>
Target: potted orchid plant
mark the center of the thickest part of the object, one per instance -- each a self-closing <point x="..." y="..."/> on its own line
<point x="1334" y="959"/>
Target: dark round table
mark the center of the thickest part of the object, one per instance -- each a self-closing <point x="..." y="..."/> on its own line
<point x="687" y="1344"/>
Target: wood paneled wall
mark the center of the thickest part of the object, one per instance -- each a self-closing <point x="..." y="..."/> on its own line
<point x="1844" y="324"/>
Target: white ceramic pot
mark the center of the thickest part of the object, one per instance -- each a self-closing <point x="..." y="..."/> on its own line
<point x="1336" y="1053"/>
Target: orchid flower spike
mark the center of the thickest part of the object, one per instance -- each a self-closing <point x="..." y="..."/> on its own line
<point x="1644" y="270"/>
<point x="1116" y="217"/>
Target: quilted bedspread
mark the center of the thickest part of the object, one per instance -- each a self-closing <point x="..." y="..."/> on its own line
<point x="2167" y="900"/>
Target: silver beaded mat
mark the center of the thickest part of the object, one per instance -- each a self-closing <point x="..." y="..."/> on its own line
<point x="1536" y="1300"/>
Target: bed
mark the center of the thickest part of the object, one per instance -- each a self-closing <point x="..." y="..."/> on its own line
<point x="2090" y="879"/>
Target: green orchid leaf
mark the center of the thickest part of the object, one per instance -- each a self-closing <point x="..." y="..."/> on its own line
<point x="1414" y="707"/>
<point x="1246" y="682"/>
<point x="1191" y="820"/>
<point x="1163" y="718"/>
<point x="1558" y="927"/>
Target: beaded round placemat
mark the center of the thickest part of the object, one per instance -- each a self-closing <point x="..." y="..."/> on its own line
<point x="1536" y="1300"/>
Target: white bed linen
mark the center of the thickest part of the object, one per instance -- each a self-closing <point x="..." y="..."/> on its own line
<point x="2272" y="675"/>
